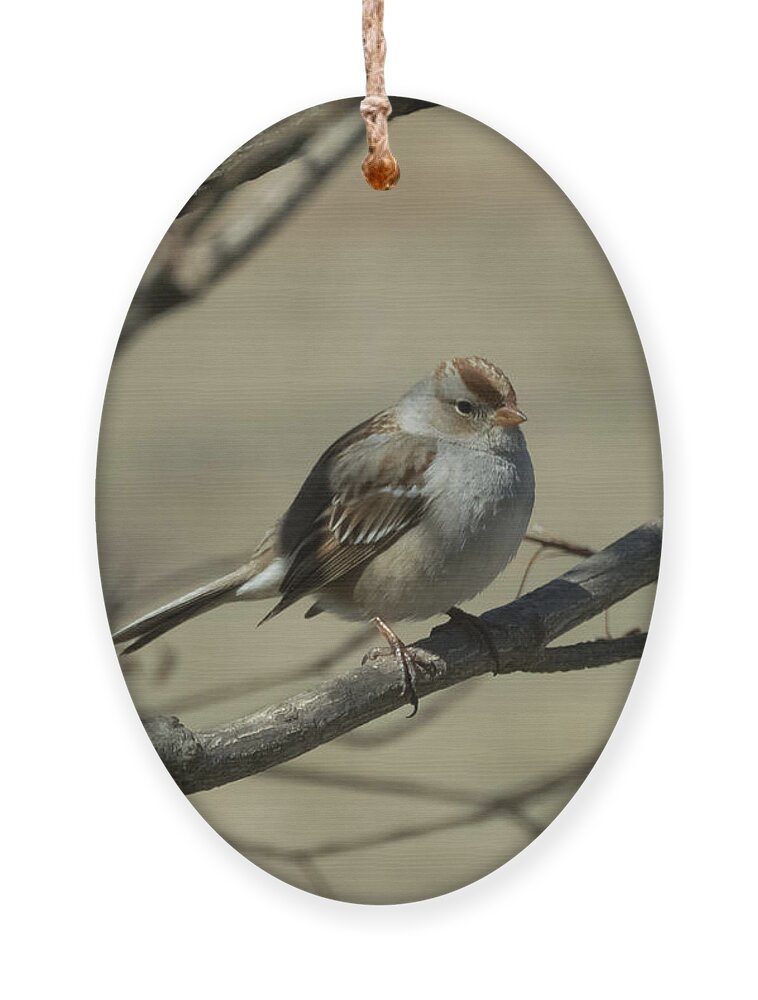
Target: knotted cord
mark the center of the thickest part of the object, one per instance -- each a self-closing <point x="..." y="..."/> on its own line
<point x="379" y="167"/>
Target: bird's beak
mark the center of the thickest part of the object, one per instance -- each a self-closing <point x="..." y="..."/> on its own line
<point x="508" y="416"/>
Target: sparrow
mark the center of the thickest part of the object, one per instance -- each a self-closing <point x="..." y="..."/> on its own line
<point x="407" y="515"/>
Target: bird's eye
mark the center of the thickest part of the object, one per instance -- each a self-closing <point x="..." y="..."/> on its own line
<point x="464" y="407"/>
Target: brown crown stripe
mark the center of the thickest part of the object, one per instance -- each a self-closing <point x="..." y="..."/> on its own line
<point x="485" y="385"/>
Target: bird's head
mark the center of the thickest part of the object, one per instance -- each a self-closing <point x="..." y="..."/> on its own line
<point x="468" y="399"/>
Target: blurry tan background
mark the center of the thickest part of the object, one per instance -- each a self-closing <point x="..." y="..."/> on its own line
<point x="216" y="411"/>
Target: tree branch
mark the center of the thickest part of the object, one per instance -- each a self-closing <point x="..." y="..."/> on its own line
<point x="279" y="144"/>
<point x="187" y="263"/>
<point x="521" y="632"/>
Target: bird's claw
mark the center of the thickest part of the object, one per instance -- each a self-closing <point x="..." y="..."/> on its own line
<point x="411" y="662"/>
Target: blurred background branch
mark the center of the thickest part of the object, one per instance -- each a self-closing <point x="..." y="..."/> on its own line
<point x="521" y="632"/>
<point x="474" y="810"/>
<point x="194" y="254"/>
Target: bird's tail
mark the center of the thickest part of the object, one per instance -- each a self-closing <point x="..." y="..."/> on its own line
<point x="256" y="579"/>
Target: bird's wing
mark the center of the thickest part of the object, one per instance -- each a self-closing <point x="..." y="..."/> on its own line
<point x="360" y="497"/>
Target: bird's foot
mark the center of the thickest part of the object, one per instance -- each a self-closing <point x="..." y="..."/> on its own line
<point x="480" y="629"/>
<point x="410" y="662"/>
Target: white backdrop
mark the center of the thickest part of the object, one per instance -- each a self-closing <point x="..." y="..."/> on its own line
<point x="641" y="112"/>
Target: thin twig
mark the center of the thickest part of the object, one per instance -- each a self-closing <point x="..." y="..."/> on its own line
<point x="535" y="556"/>
<point x="561" y="544"/>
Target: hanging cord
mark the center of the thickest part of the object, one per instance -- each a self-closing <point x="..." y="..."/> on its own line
<point x="379" y="167"/>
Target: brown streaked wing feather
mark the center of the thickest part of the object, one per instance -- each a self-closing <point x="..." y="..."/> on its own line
<point x="353" y="505"/>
